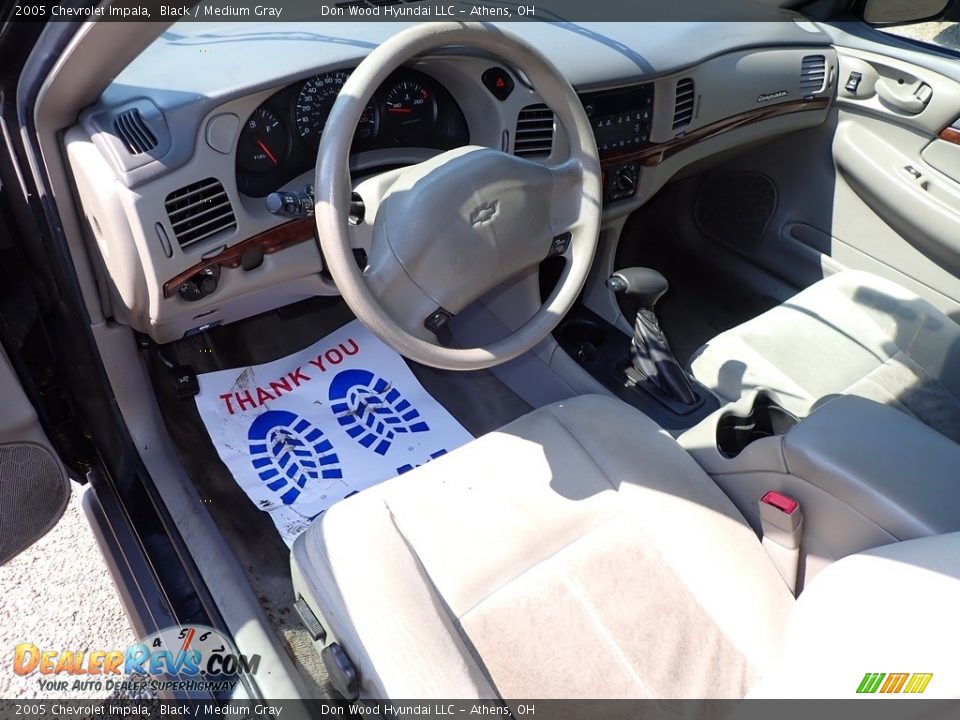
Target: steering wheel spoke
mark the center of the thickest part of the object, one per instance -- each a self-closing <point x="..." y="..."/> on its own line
<point x="568" y="197"/>
<point x="365" y="200"/>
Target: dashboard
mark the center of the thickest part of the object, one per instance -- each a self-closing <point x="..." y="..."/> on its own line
<point x="174" y="161"/>
<point x="279" y="139"/>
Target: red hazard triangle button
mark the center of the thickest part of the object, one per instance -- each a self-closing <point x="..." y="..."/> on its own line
<point x="498" y="82"/>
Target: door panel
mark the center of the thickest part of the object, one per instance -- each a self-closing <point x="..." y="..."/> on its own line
<point x="884" y="167"/>
<point x="943" y="154"/>
<point x="894" y="211"/>
<point x="34" y="488"/>
<point x="896" y="91"/>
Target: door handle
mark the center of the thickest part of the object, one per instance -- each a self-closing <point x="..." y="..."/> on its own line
<point x="910" y="99"/>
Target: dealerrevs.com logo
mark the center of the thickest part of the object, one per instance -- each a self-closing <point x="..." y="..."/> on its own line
<point x="189" y="657"/>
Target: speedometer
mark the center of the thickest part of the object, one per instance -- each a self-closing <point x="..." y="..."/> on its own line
<point x="314" y="102"/>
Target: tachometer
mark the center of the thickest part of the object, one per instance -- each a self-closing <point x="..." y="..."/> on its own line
<point x="314" y="102"/>
<point x="264" y="142"/>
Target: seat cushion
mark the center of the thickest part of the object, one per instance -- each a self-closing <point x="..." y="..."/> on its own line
<point x="577" y="552"/>
<point x="852" y="333"/>
<point x="888" y="613"/>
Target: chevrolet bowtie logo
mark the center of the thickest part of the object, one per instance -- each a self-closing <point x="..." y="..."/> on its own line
<point x="484" y="213"/>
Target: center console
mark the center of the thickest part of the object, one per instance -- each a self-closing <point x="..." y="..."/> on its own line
<point x="604" y="351"/>
<point x="622" y="120"/>
<point x="863" y="473"/>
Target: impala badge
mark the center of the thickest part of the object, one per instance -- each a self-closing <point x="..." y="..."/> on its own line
<point x="767" y="97"/>
<point x="484" y="213"/>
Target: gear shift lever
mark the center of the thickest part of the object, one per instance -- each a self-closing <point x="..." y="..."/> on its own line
<point x="650" y="352"/>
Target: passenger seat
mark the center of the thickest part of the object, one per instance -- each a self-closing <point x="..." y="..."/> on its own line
<point x="852" y="333"/>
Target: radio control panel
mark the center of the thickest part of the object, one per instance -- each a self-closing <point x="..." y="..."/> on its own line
<point x="622" y="120"/>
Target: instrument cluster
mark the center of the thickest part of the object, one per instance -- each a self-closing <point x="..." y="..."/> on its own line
<point x="279" y="139"/>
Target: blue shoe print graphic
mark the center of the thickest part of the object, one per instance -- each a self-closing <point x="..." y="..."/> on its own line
<point x="371" y="411"/>
<point x="408" y="467"/>
<point x="288" y="452"/>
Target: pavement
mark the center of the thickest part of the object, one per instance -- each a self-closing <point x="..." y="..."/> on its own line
<point x="59" y="595"/>
<point x="945" y="34"/>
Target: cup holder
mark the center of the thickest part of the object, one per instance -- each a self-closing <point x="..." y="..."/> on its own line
<point x="765" y="419"/>
<point x="582" y="339"/>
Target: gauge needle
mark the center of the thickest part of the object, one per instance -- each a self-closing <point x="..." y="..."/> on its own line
<point x="263" y="146"/>
<point x="399" y="110"/>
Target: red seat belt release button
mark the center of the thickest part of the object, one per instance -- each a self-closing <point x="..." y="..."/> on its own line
<point x="781" y="519"/>
<point x="781" y="502"/>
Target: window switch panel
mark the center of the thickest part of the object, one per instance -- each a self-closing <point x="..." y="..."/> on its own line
<point x="853" y="82"/>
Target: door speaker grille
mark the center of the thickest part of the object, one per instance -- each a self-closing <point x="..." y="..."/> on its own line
<point x="33" y="496"/>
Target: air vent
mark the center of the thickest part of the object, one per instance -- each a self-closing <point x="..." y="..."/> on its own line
<point x="199" y="211"/>
<point x="534" y="136"/>
<point x="133" y="131"/>
<point x="686" y="97"/>
<point x="813" y="72"/>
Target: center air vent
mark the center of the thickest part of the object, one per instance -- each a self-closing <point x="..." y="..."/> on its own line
<point x="683" y="109"/>
<point x="813" y="72"/>
<point x="534" y="137"/>
<point x="136" y="136"/>
<point x="199" y="211"/>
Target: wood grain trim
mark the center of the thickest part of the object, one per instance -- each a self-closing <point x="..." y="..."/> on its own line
<point x="267" y="242"/>
<point x="951" y="135"/>
<point x="651" y="155"/>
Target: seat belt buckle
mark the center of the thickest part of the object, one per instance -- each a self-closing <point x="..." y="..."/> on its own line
<point x="781" y="521"/>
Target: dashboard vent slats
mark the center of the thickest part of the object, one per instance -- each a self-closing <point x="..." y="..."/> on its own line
<point x="199" y="211"/>
<point x="135" y="134"/>
<point x="534" y="136"/>
<point x="686" y="98"/>
<point x="813" y="72"/>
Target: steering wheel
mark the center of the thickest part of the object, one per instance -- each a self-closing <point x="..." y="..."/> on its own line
<point x="449" y="229"/>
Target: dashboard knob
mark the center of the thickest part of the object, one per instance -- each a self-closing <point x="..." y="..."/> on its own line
<point x="625" y="181"/>
<point x="274" y="202"/>
<point x="208" y="284"/>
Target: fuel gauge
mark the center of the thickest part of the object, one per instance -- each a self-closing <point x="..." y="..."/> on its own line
<point x="264" y="142"/>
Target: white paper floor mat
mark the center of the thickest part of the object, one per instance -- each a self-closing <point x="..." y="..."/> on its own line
<point x="303" y="432"/>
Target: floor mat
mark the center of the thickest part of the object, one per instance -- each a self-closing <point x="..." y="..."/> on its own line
<point x="305" y="431"/>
